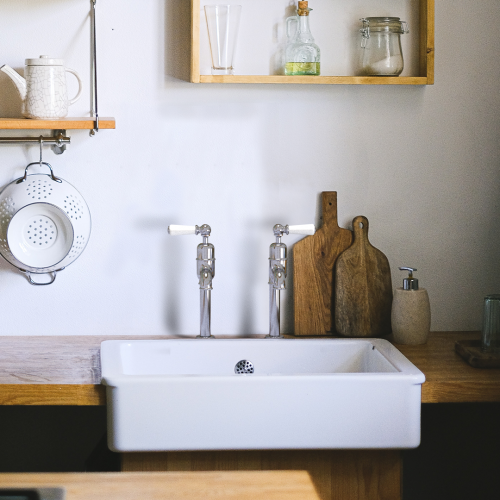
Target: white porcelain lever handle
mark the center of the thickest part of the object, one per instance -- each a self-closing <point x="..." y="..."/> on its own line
<point x="302" y="229"/>
<point x="176" y="230"/>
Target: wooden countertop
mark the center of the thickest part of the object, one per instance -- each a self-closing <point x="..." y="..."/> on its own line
<point x="66" y="370"/>
<point x="450" y="379"/>
<point x="226" y="485"/>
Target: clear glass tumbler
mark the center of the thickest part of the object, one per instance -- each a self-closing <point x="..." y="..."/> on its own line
<point x="222" y="23"/>
<point x="490" y="341"/>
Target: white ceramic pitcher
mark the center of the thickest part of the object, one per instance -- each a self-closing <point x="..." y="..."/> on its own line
<point x="43" y="91"/>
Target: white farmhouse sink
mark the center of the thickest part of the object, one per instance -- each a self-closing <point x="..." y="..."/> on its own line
<point x="168" y="395"/>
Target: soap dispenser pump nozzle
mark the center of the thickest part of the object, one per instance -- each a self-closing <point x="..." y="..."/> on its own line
<point x="409" y="283"/>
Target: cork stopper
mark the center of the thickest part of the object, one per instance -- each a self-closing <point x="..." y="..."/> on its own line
<point x="303" y="9"/>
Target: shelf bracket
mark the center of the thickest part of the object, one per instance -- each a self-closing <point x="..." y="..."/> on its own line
<point x="93" y="86"/>
<point x="59" y="147"/>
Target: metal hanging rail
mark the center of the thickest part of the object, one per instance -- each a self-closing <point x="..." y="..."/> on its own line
<point x="58" y="141"/>
<point x="35" y="140"/>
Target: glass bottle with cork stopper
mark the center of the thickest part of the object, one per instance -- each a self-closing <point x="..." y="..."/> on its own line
<point x="302" y="55"/>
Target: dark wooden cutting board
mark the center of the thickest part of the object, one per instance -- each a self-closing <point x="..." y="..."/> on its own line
<point x="313" y="264"/>
<point x="363" y="287"/>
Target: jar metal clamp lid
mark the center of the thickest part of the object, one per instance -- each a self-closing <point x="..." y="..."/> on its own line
<point x="382" y="25"/>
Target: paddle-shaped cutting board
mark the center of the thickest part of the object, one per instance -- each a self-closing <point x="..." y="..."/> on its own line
<point x="363" y="287"/>
<point x="313" y="263"/>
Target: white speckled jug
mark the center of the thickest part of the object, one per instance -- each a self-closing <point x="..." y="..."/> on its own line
<point x="43" y="90"/>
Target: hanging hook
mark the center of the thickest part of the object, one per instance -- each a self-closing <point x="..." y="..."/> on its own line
<point x="41" y="162"/>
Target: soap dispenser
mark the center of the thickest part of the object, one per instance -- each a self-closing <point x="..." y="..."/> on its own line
<point x="411" y="312"/>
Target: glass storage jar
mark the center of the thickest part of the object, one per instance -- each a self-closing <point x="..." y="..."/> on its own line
<point x="381" y="44"/>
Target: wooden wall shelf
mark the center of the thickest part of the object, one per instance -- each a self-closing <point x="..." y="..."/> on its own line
<point x="426" y="59"/>
<point x="60" y="124"/>
<point x="317" y="80"/>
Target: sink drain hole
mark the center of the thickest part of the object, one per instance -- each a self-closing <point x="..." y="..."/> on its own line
<point x="243" y="367"/>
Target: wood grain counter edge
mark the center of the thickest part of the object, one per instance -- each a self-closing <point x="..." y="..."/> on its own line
<point x="207" y="485"/>
<point x="449" y="379"/>
<point x="95" y="395"/>
<point x="52" y="395"/>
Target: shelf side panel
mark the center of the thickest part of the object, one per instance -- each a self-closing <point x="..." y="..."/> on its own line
<point x="195" y="41"/>
<point x="427" y="40"/>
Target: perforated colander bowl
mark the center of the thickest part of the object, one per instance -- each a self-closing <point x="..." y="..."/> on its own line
<point x="44" y="224"/>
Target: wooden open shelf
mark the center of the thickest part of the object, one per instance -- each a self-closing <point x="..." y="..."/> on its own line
<point x="426" y="59"/>
<point x="60" y="124"/>
<point x="317" y="80"/>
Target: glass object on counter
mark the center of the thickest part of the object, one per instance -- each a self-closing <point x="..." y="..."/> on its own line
<point x="490" y="341"/>
<point x="222" y="23"/>
<point x="302" y="55"/>
<point x="381" y="44"/>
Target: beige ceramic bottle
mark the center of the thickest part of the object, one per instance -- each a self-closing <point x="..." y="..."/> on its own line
<point x="411" y="312"/>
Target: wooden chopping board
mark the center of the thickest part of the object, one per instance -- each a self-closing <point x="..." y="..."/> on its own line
<point x="313" y="265"/>
<point x="363" y="287"/>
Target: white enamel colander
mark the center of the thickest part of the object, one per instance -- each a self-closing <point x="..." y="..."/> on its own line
<point x="44" y="224"/>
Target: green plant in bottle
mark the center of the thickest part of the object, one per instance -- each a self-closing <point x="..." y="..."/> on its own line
<point x="302" y="55"/>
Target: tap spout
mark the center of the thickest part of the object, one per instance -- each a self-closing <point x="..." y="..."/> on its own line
<point x="205" y="314"/>
<point x="276" y="284"/>
<point x="274" y="314"/>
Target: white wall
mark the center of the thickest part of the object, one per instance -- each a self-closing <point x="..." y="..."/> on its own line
<point x="422" y="163"/>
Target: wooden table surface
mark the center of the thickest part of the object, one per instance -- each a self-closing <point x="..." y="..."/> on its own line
<point x="65" y="370"/>
<point x="224" y="485"/>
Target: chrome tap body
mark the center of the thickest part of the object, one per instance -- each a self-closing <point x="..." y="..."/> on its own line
<point x="277" y="272"/>
<point x="205" y="270"/>
<point x="277" y="279"/>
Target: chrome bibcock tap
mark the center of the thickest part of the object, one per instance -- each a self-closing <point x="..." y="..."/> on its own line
<point x="277" y="272"/>
<point x="205" y="269"/>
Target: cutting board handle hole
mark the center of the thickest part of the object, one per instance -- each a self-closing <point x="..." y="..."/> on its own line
<point x="361" y="225"/>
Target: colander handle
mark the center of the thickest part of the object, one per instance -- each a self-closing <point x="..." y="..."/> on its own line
<point x="40" y="163"/>
<point x="30" y="279"/>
